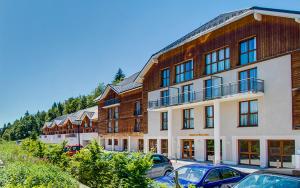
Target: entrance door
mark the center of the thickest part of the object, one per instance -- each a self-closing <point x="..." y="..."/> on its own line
<point x="210" y="150"/>
<point x="249" y="152"/>
<point x="188" y="149"/>
<point x="125" y="145"/>
<point x="280" y="153"/>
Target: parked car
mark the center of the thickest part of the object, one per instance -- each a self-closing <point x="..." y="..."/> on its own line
<point x="161" y="166"/>
<point x="203" y="176"/>
<point x="270" y="178"/>
<point x="72" y="149"/>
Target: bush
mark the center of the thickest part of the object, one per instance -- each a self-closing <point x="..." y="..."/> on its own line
<point x="55" y="154"/>
<point x="40" y="174"/>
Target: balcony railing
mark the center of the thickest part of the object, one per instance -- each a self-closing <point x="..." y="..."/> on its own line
<point x="111" y="102"/>
<point x="210" y="93"/>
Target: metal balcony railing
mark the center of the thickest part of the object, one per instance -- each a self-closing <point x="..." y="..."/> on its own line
<point x="111" y="102"/>
<point x="252" y="85"/>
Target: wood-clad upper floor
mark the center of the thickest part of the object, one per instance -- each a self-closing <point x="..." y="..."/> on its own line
<point x="273" y="35"/>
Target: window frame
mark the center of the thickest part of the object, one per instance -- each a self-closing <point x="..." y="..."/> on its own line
<point x="247" y="40"/>
<point x="248" y="114"/>
<point x="184" y="72"/>
<point x="218" y="60"/>
<point x="164" y="121"/>
<point x="209" y="117"/>
<point x="188" y="119"/>
<point x="167" y="78"/>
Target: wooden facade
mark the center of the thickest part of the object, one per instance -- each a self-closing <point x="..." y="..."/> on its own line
<point x="127" y="116"/>
<point x="275" y="36"/>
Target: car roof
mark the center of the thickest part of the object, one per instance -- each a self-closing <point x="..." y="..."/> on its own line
<point x="207" y="166"/>
<point x="276" y="171"/>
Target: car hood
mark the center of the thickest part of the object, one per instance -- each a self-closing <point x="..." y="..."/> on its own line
<point x="169" y="181"/>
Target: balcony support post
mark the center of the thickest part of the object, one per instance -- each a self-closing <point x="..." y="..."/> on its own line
<point x="217" y="127"/>
<point x="170" y="134"/>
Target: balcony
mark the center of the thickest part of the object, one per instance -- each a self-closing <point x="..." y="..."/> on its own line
<point x="210" y="93"/>
<point x="111" y="102"/>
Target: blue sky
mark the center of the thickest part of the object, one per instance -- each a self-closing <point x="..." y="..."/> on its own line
<point x="51" y="50"/>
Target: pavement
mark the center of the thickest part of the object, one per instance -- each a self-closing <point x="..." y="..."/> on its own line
<point x="242" y="168"/>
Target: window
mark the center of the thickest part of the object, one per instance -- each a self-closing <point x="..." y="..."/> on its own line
<point x="213" y="176"/>
<point x="116" y="129"/>
<point x="164" y="97"/>
<point x="137" y="125"/>
<point x="188" y="119"/>
<point x="91" y="123"/>
<point x="280" y="153"/>
<point x="228" y="173"/>
<point x="248" y="51"/>
<point x="187" y="93"/>
<point x="164" y="121"/>
<point x="249" y="152"/>
<point x="141" y="145"/>
<point x="164" y="146"/>
<point x="116" y="113"/>
<point x="213" y="88"/>
<point x="109" y="127"/>
<point x="210" y="149"/>
<point x="247" y="80"/>
<point x="85" y="124"/>
<point x="209" y="117"/>
<point x="110" y="113"/>
<point x="248" y="113"/>
<point x="137" y="108"/>
<point x="217" y="61"/>
<point x="109" y="142"/>
<point x="153" y="145"/>
<point x="116" y="142"/>
<point x="184" y="71"/>
<point x="165" y="77"/>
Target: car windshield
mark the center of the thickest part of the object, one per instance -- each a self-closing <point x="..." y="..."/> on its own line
<point x="190" y="173"/>
<point x="268" y="181"/>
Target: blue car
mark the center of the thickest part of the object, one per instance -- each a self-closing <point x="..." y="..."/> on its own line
<point x="203" y="176"/>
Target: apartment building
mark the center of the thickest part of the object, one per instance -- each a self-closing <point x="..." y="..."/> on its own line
<point x="227" y="91"/>
<point x="121" y="116"/>
<point x="79" y="127"/>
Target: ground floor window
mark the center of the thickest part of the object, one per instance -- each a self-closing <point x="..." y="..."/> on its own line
<point x="188" y="149"/>
<point x="164" y="147"/>
<point x="210" y="150"/>
<point x="141" y="145"/>
<point x="280" y="153"/>
<point x="125" y="145"/>
<point x="153" y="145"/>
<point x="249" y="152"/>
<point x="116" y="142"/>
<point x="109" y="142"/>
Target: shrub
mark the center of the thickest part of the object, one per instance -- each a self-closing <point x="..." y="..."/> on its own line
<point x="39" y="174"/>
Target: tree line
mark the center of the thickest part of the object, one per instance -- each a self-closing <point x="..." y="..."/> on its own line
<point x="31" y="124"/>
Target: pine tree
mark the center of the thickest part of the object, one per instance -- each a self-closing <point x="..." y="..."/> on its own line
<point x="119" y="76"/>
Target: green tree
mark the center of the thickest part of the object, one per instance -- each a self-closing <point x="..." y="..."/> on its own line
<point x="119" y="76"/>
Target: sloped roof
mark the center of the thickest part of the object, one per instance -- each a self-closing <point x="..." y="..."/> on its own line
<point x="125" y="85"/>
<point x="91" y="112"/>
<point x="214" y="24"/>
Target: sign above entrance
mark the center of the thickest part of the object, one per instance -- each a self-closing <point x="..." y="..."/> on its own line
<point x="199" y="134"/>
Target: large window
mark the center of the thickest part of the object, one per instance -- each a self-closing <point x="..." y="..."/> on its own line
<point x="247" y="80"/>
<point x="137" y="126"/>
<point x="280" y="153"/>
<point x="165" y="77"/>
<point x="210" y="150"/>
<point x="184" y="71"/>
<point x="164" y="121"/>
<point x="209" y="116"/>
<point x="116" y="113"/>
<point x="116" y="128"/>
<point x="153" y="145"/>
<point x="248" y="51"/>
<point x="164" y="146"/>
<point x="249" y="152"/>
<point x="188" y="118"/>
<point x="213" y="88"/>
<point x="164" y="97"/>
<point x="217" y="61"/>
<point x="109" y="127"/>
<point x="248" y="113"/>
<point x="137" y="108"/>
<point x="116" y="142"/>
<point x="109" y="142"/>
<point x="141" y="145"/>
<point x="187" y="93"/>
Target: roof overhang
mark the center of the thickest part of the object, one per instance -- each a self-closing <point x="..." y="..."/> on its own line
<point x="256" y="11"/>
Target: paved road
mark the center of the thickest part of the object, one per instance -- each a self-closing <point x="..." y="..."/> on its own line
<point x="180" y="163"/>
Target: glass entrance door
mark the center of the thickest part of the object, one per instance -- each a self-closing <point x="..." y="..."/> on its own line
<point x="280" y="153"/>
<point x="188" y="149"/>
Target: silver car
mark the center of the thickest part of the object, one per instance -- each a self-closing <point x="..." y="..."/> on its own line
<point x="161" y="166"/>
